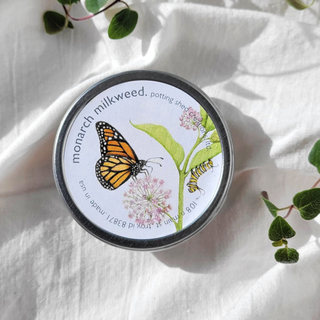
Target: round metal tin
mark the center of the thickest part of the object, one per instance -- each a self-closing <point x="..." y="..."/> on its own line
<point x="143" y="160"/>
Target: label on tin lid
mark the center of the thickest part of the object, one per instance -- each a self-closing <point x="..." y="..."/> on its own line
<point x="142" y="160"/>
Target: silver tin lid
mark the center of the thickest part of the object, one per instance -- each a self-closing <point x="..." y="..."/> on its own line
<point x="143" y="160"/>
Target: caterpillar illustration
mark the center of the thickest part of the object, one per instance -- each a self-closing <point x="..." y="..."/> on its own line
<point x="196" y="173"/>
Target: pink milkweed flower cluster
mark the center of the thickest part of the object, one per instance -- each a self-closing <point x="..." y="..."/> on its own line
<point x="146" y="200"/>
<point x="190" y="119"/>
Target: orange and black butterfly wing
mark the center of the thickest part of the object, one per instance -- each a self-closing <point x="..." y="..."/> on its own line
<point x="112" y="143"/>
<point x="117" y="157"/>
<point x="113" y="171"/>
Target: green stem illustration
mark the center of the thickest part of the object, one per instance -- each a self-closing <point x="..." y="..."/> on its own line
<point x="175" y="223"/>
<point x="183" y="173"/>
<point x="180" y="201"/>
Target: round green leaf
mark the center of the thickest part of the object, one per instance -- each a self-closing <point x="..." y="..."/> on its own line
<point x="308" y="203"/>
<point x="271" y="207"/>
<point x="94" y="6"/>
<point x="54" y="22"/>
<point x="214" y="137"/>
<point x="280" y="229"/>
<point x="68" y="2"/>
<point x="122" y="24"/>
<point x="299" y="5"/>
<point x="70" y="25"/>
<point x="287" y="255"/>
<point x="314" y="155"/>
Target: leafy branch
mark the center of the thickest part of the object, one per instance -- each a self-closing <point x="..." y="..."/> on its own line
<point x="121" y="25"/>
<point x="307" y="202"/>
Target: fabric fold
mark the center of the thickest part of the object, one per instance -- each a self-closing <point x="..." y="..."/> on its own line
<point x="259" y="61"/>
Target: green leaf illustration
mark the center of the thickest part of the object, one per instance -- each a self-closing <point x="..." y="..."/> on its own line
<point x="122" y="24"/>
<point x="314" y="155"/>
<point x="280" y="229"/>
<point x="206" y="120"/>
<point x="308" y="203"/>
<point x="68" y="2"/>
<point x="205" y="154"/>
<point x="163" y="136"/>
<point x="54" y="22"/>
<point x="94" y="6"/>
<point x="214" y="137"/>
<point x="271" y="207"/>
<point x="287" y="255"/>
<point x="299" y="5"/>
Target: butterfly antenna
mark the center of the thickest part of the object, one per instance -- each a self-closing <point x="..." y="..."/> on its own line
<point x="155" y="161"/>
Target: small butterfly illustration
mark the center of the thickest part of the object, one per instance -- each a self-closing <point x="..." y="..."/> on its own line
<point x="118" y="160"/>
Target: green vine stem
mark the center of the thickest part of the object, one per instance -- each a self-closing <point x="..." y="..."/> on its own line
<point x="94" y="14"/>
<point x="289" y="211"/>
<point x="317" y="182"/>
<point x="67" y="20"/>
<point x="306" y="202"/>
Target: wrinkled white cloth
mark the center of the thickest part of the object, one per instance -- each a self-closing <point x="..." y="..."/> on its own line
<point x="260" y="60"/>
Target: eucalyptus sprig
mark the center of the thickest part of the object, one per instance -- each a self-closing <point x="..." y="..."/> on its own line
<point x="121" y="25"/>
<point x="307" y="202"/>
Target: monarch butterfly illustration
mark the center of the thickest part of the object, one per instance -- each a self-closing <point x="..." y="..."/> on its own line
<point x="118" y="160"/>
<point x="196" y="173"/>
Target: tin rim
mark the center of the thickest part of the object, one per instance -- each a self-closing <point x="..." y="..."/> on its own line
<point x="227" y="153"/>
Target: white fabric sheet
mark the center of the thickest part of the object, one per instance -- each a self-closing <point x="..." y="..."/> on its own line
<point x="260" y="60"/>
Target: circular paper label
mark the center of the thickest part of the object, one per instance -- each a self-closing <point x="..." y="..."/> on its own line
<point x="142" y="160"/>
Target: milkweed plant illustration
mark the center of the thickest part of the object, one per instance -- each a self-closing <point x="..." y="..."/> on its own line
<point x="146" y="198"/>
